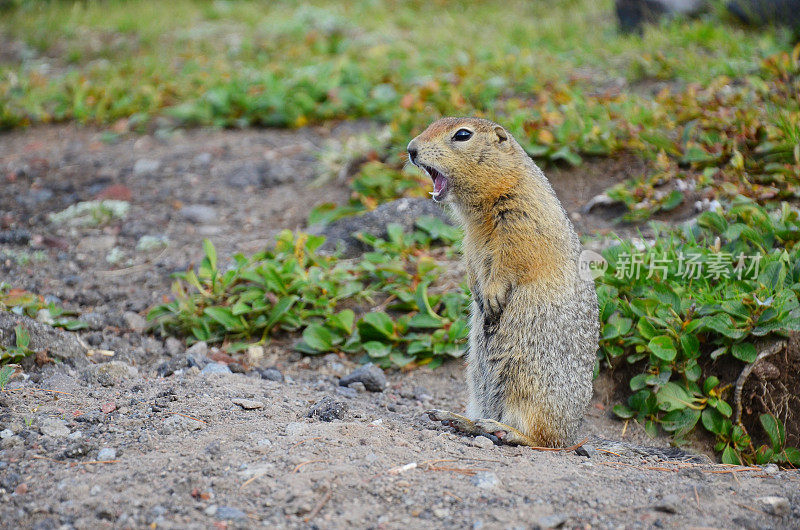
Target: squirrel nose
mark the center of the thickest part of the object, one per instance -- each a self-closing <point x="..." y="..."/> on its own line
<point x="412" y="152"/>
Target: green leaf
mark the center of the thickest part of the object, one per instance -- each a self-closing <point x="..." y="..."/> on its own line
<point x="744" y="351"/>
<point x="646" y="329"/>
<point x="722" y="324"/>
<point x="723" y="407"/>
<point x="730" y="456"/>
<point x="23" y="338"/>
<point x="5" y="374"/>
<point x="343" y="321"/>
<point x="774" y="429"/>
<point x="713" y="421"/>
<point x="423" y="304"/>
<point x="224" y="316"/>
<point x="710" y="383"/>
<point x="672" y="396"/>
<point x="377" y="326"/>
<point x="623" y="411"/>
<point x="690" y="346"/>
<point x="680" y="421"/>
<point x="425" y="321"/>
<point x="377" y="349"/>
<point x="662" y="347"/>
<point x="211" y="253"/>
<point x="279" y="310"/>
<point x="672" y="201"/>
<point x="318" y="337"/>
<point x="792" y="455"/>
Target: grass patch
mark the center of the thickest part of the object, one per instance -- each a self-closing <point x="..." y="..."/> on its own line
<point x="559" y="76"/>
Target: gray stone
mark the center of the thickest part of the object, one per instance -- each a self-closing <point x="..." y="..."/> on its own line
<point x="5" y="433"/>
<point x="405" y="212"/>
<point x="198" y="213"/>
<point x="215" y="368"/>
<point x="248" y="174"/>
<point x="774" y="505"/>
<point x="669" y="504"/>
<point x="347" y="392"/>
<point x="175" y="424"/>
<point x="555" y="520"/>
<point x="248" y="404"/>
<point x="113" y="373"/>
<point x="146" y="166"/>
<point x="134" y="321"/>
<point x="54" y="427"/>
<point x="228" y="512"/>
<point x="198" y="349"/>
<point x="173" y="346"/>
<point x="771" y="469"/>
<point x="358" y="386"/>
<point x="107" y="453"/>
<point x="211" y="510"/>
<point x="44" y="316"/>
<point x="95" y="321"/>
<point x="272" y="374"/>
<point x="485" y="479"/>
<point x="327" y="409"/>
<point x="370" y="375"/>
<point x="483" y="442"/>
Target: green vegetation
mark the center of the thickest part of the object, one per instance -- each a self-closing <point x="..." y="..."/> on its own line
<point x="699" y="298"/>
<point x="293" y="288"/>
<point x="558" y="75"/>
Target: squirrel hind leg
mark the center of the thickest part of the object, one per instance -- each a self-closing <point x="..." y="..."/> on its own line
<point x="457" y="421"/>
<point x="506" y="433"/>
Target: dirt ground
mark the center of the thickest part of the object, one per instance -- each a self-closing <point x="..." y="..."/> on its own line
<point x="158" y="435"/>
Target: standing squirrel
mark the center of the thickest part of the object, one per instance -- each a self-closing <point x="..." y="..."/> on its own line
<point x="534" y="322"/>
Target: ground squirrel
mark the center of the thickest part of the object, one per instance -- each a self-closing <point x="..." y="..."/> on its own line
<point x="534" y="322"/>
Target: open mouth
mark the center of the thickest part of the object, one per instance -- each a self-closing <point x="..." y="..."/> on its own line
<point x="439" y="183"/>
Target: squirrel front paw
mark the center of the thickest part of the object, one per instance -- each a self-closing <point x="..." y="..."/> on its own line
<point x="495" y="296"/>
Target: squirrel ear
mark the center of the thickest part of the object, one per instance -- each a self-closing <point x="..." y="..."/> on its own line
<point x="502" y="136"/>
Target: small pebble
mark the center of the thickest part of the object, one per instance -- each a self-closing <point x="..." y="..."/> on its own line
<point x="107" y="453"/>
<point x="482" y="442"/>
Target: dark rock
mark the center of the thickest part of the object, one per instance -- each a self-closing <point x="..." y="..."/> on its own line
<point x="370" y="375"/>
<point x="237" y="368"/>
<point x="633" y="14"/>
<point x="405" y="212"/>
<point x="586" y="450"/>
<point x="71" y="280"/>
<point x="271" y="373"/>
<point x="196" y="360"/>
<point x="9" y="480"/>
<point x="77" y="449"/>
<point x="248" y="174"/>
<point x="14" y="237"/>
<point x="327" y="409"/>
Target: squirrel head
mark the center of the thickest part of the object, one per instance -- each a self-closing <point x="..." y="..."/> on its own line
<point x="470" y="160"/>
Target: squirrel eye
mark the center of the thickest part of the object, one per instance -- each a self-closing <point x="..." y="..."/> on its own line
<point x="462" y="135"/>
